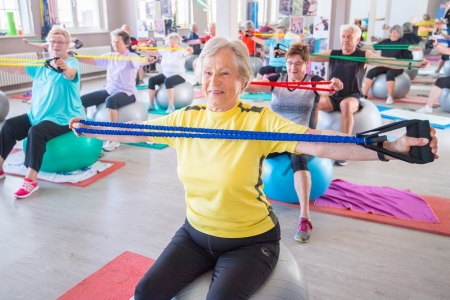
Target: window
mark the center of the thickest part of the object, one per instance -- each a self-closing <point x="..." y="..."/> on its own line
<point x="273" y="11"/>
<point x="17" y="11"/>
<point x="183" y="12"/>
<point x="80" y="15"/>
<point x="262" y="8"/>
<point x="212" y="11"/>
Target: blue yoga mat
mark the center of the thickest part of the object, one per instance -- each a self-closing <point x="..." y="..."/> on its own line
<point x="396" y="114"/>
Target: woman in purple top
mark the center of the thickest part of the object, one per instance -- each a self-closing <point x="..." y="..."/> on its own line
<point x="121" y="69"/>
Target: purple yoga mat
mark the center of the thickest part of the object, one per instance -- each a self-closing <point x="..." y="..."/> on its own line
<point x="385" y="201"/>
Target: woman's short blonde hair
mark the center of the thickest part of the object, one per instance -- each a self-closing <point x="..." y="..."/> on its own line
<point x="58" y="31"/>
<point x="241" y="59"/>
<point x="173" y="36"/>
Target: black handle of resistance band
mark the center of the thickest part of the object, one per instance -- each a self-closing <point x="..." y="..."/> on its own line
<point x="420" y="129"/>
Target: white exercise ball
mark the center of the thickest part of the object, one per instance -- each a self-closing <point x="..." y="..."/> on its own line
<point x="130" y="112"/>
<point x="4" y="106"/>
<point x="367" y="118"/>
<point x="401" y="89"/>
<point x="184" y="94"/>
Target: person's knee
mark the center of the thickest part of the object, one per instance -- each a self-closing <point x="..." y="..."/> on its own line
<point x="347" y="107"/>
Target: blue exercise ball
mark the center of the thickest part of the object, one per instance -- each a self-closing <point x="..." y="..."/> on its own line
<point x="278" y="178"/>
<point x="67" y="153"/>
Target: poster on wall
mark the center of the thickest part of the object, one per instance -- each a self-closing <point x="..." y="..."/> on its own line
<point x="296" y="25"/>
<point x="159" y="28"/>
<point x="166" y="9"/>
<point x="321" y="27"/>
<point x="309" y="7"/>
<point x="286" y="7"/>
<point x="297" y="7"/>
<point x="150" y="11"/>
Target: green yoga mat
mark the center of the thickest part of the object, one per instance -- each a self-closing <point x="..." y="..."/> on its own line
<point x="257" y="96"/>
<point x="141" y="87"/>
<point x="158" y="111"/>
<point x="11" y="24"/>
<point x="145" y="145"/>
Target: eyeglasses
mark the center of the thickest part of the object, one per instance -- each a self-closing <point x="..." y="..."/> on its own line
<point x="297" y="64"/>
<point x="59" y="43"/>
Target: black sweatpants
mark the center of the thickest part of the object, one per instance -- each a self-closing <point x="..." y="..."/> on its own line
<point x="17" y="128"/>
<point x="114" y="101"/>
<point x="240" y="265"/>
<point x="390" y="73"/>
<point x="169" y="82"/>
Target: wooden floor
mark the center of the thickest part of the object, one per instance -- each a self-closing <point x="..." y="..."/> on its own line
<point x="60" y="235"/>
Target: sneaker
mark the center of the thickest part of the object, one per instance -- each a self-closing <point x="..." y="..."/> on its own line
<point x="151" y="107"/>
<point x="341" y="162"/>
<point x="2" y="174"/>
<point x="28" y="187"/>
<point x="170" y="109"/>
<point x="141" y="82"/>
<point x="110" y="146"/>
<point x="425" y="110"/>
<point x="304" y="231"/>
<point x="389" y="100"/>
<point x="435" y="74"/>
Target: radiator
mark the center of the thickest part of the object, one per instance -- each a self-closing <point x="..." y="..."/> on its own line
<point x="96" y="51"/>
<point x="7" y="79"/>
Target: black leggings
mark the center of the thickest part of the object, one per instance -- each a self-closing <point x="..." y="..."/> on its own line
<point x="299" y="162"/>
<point x="17" y="128"/>
<point x="269" y="69"/>
<point x="240" y="265"/>
<point x="390" y="73"/>
<point x="114" y="101"/>
<point x="443" y="83"/>
<point x="170" y="82"/>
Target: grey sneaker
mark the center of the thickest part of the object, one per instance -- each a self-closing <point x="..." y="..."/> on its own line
<point x="170" y="109"/>
<point x="304" y="231"/>
<point x="151" y="107"/>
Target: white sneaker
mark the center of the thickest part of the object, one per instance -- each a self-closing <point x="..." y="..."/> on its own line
<point x="110" y="146"/>
<point x="389" y="101"/>
<point x="435" y="74"/>
<point x="170" y="109"/>
<point x="425" y="110"/>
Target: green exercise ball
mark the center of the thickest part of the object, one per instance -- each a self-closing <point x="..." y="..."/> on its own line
<point x="67" y="153"/>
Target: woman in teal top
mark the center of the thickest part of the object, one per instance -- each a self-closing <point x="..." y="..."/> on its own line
<point x="278" y="47"/>
<point x="56" y="99"/>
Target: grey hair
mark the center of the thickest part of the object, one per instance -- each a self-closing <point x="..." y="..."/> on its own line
<point x="355" y="28"/>
<point x="407" y="27"/>
<point x="241" y="59"/>
<point x="173" y="36"/>
<point x="248" y="24"/>
<point x="281" y="27"/>
<point x="191" y="27"/>
<point x="125" y="36"/>
<point x="399" y="30"/>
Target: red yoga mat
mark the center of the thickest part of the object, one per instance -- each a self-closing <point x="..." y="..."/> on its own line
<point x="116" y="280"/>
